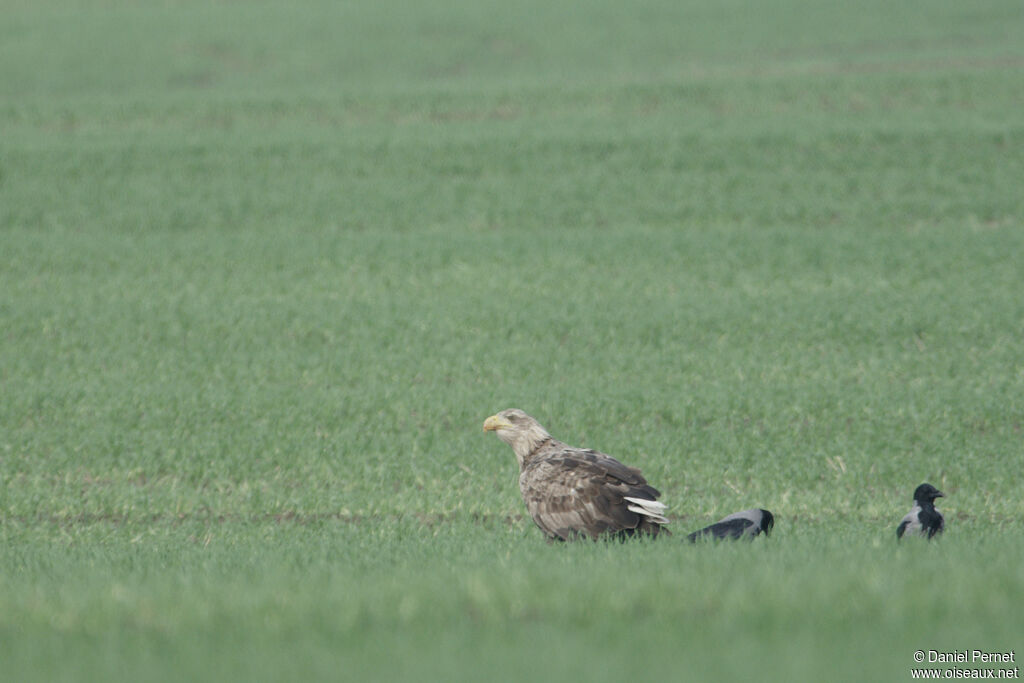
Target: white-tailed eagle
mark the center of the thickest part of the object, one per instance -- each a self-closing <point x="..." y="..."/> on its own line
<point x="572" y="492"/>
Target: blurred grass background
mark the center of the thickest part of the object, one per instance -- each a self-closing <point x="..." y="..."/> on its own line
<point x="264" y="269"/>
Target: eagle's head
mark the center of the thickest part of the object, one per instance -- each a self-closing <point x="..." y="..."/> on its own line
<point x="518" y="430"/>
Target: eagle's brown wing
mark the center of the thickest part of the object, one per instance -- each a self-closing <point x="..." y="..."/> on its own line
<point x="571" y="492"/>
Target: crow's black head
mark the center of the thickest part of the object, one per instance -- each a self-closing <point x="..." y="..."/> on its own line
<point x="767" y="522"/>
<point x="926" y="493"/>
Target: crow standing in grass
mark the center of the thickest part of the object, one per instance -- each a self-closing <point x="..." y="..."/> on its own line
<point x="923" y="519"/>
<point x="573" y="492"/>
<point x="745" y="525"/>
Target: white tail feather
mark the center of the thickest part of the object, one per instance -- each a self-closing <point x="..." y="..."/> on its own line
<point x="649" y="508"/>
<point x="652" y="505"/>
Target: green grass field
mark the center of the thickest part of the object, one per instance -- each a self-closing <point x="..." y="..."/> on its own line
<point x="265" y="269"/>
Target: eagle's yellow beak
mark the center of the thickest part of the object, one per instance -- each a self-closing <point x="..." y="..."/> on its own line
<point x="494" y="423"/>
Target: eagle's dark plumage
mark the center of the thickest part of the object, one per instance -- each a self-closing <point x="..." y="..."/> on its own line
<point x="923" y="519"/>
<point x="572" y="492"/>
<point x="746" y="525"/>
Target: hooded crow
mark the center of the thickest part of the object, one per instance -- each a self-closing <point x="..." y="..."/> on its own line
<point x="923" y="519"/>
<point x="746" y="525"/>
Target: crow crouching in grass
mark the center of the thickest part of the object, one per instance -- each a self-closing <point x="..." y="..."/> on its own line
<point x="746" y="525"/>
<point x="923" y="519"/>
